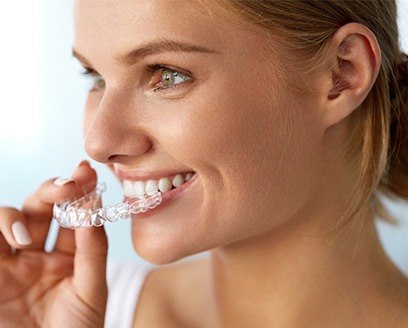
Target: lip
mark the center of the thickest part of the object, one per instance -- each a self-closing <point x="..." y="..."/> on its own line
<point x="137" y="175"/>
<point x="167" y="197"/>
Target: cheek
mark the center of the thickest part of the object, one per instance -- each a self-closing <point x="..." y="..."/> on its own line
<point x="258" y="156"/>
<point x="253" y="150"/>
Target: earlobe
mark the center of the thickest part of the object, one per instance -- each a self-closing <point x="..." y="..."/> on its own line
<point x="356" y="63"/>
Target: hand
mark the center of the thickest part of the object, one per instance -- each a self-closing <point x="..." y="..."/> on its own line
<point x="65" y="287"/>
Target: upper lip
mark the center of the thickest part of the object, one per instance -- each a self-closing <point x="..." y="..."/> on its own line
<point x="139" y="175"/>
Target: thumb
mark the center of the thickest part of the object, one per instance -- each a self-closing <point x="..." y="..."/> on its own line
<point x="89" y="279"/>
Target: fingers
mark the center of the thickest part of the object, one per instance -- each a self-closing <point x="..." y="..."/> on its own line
<point x="5" y="249"/>
<point x="89" y="278"/>
<point x="13" y="230"/>
<point x="86" y="178"/>
<point x="37" y="208"/>
<point x="65" y="242"/>
<point x="28" y="228"/>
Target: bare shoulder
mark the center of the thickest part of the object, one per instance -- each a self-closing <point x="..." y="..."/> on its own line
<point x="173" y="295"/>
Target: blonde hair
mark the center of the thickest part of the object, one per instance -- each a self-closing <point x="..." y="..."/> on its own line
<point x="379" y="141"/>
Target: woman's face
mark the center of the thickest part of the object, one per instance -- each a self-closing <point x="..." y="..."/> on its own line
<point x="252" y="143"/>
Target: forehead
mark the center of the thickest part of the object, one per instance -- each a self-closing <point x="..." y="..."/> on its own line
<point x="117" y="25"/>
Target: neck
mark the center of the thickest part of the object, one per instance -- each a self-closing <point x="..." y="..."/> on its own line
<point x="292" y="276"/>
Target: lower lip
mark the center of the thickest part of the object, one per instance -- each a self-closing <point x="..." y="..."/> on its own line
<point x="167" y="197"/>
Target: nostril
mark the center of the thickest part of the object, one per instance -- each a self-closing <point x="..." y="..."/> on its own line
<point x="115" y="144"/>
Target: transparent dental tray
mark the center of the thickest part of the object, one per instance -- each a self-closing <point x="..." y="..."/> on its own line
<point x="85" y="212"/>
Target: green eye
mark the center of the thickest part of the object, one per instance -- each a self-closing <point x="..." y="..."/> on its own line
<point x="169" y="78"/>
<point x="100" y="82"/>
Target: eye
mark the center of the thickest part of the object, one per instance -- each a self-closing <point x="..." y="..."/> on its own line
<point x="99" y="82"/>
<point x="169" y="78"/>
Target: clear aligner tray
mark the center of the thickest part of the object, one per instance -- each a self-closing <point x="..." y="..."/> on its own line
<point x="84" y="212"/>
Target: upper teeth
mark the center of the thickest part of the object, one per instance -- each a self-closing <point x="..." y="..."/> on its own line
<point x="149" y="187"/>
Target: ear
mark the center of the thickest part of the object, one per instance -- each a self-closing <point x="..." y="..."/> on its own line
<point x="356" y="61"/>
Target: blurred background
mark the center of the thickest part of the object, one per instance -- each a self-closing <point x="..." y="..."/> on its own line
<point x="42" y="100"/>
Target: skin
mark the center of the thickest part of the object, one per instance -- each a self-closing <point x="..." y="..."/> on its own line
<point x="247" y="136"/>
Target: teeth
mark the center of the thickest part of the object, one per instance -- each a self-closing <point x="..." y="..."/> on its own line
<point x="128" y="187"/>
<point x="140" y="188"/>
<point x="178" y="180"/>
<point x="189" y="175"/>
<point x="151" y="187"/>
<point x="165" y="184"/>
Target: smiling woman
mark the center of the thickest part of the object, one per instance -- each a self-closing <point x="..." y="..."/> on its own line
<point x="270" y="128"/>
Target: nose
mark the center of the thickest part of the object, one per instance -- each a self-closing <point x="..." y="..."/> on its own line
<point x="113" y="133"/>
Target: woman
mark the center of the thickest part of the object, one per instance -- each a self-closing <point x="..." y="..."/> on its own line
<point x="291" y="114"/>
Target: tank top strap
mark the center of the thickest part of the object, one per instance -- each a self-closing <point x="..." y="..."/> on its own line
<point x="125" y="280"/>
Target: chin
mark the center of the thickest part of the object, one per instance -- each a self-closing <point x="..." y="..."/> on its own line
<point x="157" y="253"/>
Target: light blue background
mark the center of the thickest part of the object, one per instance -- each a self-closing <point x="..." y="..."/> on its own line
<point x="41" y="109"/>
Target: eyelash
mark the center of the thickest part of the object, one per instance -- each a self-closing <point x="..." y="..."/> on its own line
<point x="151" y="68"/>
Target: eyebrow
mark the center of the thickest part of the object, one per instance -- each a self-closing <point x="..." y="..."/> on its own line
<point x="152" y="48"/>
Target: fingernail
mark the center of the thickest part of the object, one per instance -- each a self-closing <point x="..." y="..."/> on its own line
<point x="62" y="181"/>
<point x="20" y="233"/>
<point x="84" y="162"/>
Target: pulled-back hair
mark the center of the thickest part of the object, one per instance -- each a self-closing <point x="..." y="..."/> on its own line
<point x="379" y="140"/>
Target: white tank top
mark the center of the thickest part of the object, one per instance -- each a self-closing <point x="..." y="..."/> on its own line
<point x="125" y="280"/>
